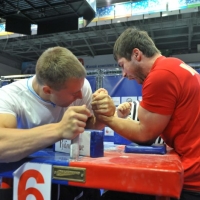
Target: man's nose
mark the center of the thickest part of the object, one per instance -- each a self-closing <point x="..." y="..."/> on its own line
<point x="124" y="74"/>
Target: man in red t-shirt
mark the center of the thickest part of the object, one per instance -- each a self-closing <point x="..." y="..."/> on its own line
<point x="170" y="101"/>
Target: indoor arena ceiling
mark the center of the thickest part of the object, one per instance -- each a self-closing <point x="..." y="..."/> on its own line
<point x="177" y="33"/>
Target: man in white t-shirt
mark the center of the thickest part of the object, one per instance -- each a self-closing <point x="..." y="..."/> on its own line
<point x="50" y="106"/>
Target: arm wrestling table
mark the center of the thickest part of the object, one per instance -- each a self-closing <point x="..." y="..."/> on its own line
<point x="160" y="175"/>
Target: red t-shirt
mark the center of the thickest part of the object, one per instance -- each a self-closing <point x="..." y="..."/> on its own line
<point x="173" y="88"/>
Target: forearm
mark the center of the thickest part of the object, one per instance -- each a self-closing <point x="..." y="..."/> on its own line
<point x="16" y="144"/>
<point x="130" y="129"/>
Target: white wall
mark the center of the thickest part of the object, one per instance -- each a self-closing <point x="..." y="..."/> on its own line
<point x="189" y="58"/>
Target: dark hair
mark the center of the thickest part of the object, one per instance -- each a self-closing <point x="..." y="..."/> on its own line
<point x="134" y="38"/>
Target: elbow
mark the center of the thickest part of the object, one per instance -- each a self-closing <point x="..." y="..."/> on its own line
<point x="5" y="158"/>
<point x="146" y="136"/>
<point x="146" y="142"/>
<point x="8" y="160"/>
<point x="146" y="139"/>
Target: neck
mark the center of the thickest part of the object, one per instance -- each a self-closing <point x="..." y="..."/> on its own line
<point x="150" y="62"/>
<point x="39" y="90"/>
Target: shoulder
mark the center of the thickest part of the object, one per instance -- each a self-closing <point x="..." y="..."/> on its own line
<point x="86" y="83"/>
<point x="168" y="66"/>
<point x="14" y="92"/>
<point x="86" y="87"/>
<point x="165" y="69"/>
<point x="15" y="86"/>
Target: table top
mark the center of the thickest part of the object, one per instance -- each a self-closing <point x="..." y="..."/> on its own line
<point x="160" y="175"/>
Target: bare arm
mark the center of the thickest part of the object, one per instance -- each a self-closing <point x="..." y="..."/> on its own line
<point x="150" y="126"/>
<point x="16" y="144"/>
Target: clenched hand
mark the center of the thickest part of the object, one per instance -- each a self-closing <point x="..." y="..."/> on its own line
<point x="123" y="110"/>
<point x="74" y="121"/>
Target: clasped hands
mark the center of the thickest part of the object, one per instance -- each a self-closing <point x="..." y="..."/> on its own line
<point x="75" y="118"/>
<point x="102" y="105"/>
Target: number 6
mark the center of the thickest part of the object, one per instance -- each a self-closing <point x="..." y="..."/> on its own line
<point x="23" y="192"/>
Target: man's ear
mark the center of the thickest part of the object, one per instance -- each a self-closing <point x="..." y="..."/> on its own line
<point x="136" y="54"/>
<point x="47" y="90"/>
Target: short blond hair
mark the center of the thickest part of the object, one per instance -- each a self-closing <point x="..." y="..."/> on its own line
<point x="56" y="65"/>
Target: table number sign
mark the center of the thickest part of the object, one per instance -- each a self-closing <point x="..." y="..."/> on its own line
<point x="32" y="181"/>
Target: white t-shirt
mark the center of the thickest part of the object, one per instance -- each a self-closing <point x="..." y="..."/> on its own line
<point x="19" y="99"/>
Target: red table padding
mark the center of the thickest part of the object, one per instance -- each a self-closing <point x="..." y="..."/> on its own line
<point x="160" y="175"/>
